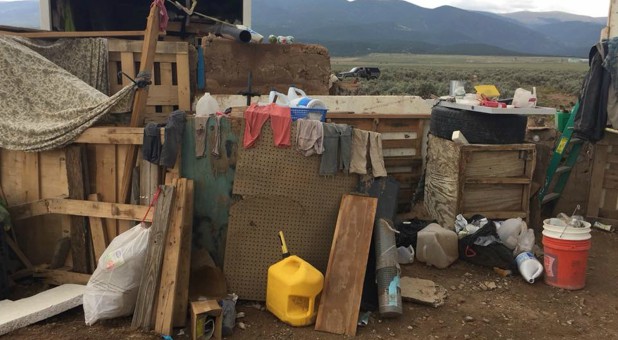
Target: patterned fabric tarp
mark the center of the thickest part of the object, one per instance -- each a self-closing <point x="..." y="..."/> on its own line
<point x="45" y="106"/>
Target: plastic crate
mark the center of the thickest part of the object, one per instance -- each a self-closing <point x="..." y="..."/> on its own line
<point x="309" y="113"/>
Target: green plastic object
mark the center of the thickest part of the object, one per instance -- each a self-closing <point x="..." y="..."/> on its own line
<point x="562" y="118"/>
<point x="562" y="161"/>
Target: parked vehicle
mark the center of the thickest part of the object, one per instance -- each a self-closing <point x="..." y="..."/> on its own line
<point x="361" y="72"/>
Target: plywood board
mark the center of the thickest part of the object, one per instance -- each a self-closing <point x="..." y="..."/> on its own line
<point x="281" y="190"/>
<point x="492" y="163"/>
<point x="343" y="282"/>
<point x="492" y="197"/>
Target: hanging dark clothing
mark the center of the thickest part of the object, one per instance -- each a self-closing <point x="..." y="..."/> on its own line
<point x="591" y="118"/>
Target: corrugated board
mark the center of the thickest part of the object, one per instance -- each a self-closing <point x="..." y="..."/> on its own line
<point x="281" y="190"/>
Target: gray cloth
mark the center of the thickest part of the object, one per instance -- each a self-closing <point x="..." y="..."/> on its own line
<point x="44" y="106"/>
<point x="173" y="138"/>
<point x="151" y="143"/>
<point x="201" y="124"/>
<point x="337" y="153"/>
<point x="309" y="137"/>
<point x="216" y="149"/>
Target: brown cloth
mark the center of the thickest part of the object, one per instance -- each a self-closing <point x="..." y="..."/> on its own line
<point x="361" y="140"/>
<point x="309" y="137"/>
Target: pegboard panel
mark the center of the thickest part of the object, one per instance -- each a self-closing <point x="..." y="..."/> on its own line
<point x="281" y="190"/>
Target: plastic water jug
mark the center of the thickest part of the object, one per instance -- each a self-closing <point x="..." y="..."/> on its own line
<point x="437" y="246"/>
<point x="207" y="105"/>
<point x="509" y="231"/>
<point x="529" y="267"/>
<point x="295" y="93"/>
<point x="279" y="98"/>
<point x="292" y="289"/>
<point x="524" y="98"/>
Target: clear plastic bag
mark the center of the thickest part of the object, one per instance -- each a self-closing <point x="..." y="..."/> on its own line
<point x="112" y="289"/>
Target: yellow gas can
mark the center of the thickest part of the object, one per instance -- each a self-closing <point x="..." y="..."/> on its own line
<point x="292" y="289"/>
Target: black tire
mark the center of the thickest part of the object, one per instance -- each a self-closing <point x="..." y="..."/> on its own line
<point x="477" y="127"/>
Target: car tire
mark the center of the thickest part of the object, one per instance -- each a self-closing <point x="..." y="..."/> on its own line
<point x="477" y="127"/>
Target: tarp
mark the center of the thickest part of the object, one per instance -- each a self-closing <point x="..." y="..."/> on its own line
<point x="44" y="106"/>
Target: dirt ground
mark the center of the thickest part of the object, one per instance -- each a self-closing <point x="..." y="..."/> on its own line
<point x="514" y="310"/>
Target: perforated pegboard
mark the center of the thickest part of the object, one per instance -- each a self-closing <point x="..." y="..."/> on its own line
<point x="281" y="190"/>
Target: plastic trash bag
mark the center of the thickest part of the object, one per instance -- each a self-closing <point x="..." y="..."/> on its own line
<point x="484" y="248"/>
<point x="112" y="289"/>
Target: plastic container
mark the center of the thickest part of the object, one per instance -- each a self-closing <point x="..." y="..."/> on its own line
<point x="314" y="114"/>
<point x="524" y="98"/>
<point x="437" y="246"/>
<point x="509" y="231"/>
<point x="529" y="267"/>
<point x="295" y="93"/>
<point x="207" y="105"/>
<point x="291" y="291"/>
<point x="566" y="255"/>
<point x="561" y="120"/>
<point x="279" y="98"/>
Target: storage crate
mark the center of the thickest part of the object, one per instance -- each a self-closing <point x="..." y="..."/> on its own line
<point x="491" y="180"/>
<point x="310" y="113"/>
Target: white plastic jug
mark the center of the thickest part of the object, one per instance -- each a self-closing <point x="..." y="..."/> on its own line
<point x="509" y="231"/>
<point x="437" y="246"/>
<point x="529" y="267"/>
<point x="295" y="93"/>
<point x="524" y="98"/>
<point x="279" y="98"/>
<point x="207" y="105"/>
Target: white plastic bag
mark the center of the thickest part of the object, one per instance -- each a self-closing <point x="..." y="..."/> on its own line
<point x="112" y="289"/>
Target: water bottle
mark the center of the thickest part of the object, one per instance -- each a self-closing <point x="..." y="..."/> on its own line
<point x="207" y="105"/>
<point x="529" y="267"/>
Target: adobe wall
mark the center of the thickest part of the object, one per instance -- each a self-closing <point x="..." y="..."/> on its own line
<point x="227" y="66"/>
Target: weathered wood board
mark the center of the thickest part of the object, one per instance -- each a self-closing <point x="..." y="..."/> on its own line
<point x="343" y="283"/>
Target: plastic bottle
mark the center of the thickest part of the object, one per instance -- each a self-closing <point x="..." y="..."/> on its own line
<point x="509" y="231"/>
<point x="295" y="93"/>
<point x="525" y="241"/>
<point x="437" y="246"/>
<point x="207" y="105"/>
<point x="279" y="98"/>
<point x="529" y="267"/>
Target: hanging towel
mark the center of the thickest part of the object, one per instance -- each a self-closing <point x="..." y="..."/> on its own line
<point x="309" y="137"/>
<point x="358" y="162"/>
<point x="375" y="154"/>
<point x="280" y="122"/>
<point x="337" y="144"/>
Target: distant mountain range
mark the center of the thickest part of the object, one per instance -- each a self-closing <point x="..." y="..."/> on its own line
<point x="365" y="26"/>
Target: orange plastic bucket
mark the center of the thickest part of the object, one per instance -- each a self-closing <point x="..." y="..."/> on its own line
<point x="565" y="262"/>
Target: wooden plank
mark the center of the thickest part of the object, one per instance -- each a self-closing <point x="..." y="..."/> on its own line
<point x="79" y="34"/>
<point x="121" y="154"/>
<point x="98" y="232"/>
<point x="149" y="181"/>
<point x="610" y="182"/>
<point x="136" y="46"/>
<point x="139" y="102"/>
<point x="170" y="285"/>
<point x="596" y="180"/>
<point x="84" y="208"/>
<point x="112" y="135"/>
<point x="127" y="65"/>
<point x="337" y="115"/>
<point x="27" y="210"/>
<point x="31" y="176"/>
<point x="182" y="75"/>
<point x="343" y="284"/>
<point x="59" y="277"/>
<point x="415" y="161"/>
<point x="494" y="197"/>
<point x="149" y="283"/>
<point x="166" y="79"/>
<point x="608" y="213"/>
<point x="484" y="163"/>
<point x="184" y="267"/>
<point x="106" y="178"/>
<point x="163" y="95"/>
<point x="76" y="166"/>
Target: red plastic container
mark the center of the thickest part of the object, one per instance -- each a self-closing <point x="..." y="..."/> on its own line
<point x="565" y="262"/>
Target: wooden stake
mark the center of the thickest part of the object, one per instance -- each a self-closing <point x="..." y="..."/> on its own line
<point x="75" y="177"/>
<point x="97" y="232"/>
<point x="139" y="103"/>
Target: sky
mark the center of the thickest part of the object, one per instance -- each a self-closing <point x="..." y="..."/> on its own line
<point x="594" y="8"/>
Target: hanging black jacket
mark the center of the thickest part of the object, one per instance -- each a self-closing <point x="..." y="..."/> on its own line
<point x="591" y="118"/>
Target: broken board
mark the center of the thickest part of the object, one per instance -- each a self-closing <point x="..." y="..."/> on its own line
<point x="24" y="312"/>
<point x="421" y="291"/>
<point x="343" y="283"/>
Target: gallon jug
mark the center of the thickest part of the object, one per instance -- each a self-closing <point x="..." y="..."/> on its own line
<point x="529" y="267"/>
<point x="279" y="98"/>
<point x="295" y="93"/>
<point x="524" y="98"/>
<point x="292" y="289"/>
<point x="509" y="231"/>
<point x="207" y="105"/>
<point x="437" y="246"/>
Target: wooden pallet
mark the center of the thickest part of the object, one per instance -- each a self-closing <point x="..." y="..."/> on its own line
<point x="170" y="88"/>
<point x="491" y="180"/>
<point x="603" y="196"/>
<point x="402" y="142"/>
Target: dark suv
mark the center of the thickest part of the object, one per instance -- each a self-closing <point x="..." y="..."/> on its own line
<point x="361" y="72"/>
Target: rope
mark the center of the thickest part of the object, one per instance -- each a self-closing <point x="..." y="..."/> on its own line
<point x="152" y="203"/>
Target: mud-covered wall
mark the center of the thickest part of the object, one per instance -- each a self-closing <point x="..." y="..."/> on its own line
<point x="228" y="63"/>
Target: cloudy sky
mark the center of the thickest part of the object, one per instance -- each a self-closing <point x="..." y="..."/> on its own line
<point x="595" y="8"/>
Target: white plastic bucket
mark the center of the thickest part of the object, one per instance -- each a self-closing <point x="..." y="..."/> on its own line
<point x="566" y="233"/>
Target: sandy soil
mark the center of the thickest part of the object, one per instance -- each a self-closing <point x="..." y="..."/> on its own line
<point x="514" y="310"/>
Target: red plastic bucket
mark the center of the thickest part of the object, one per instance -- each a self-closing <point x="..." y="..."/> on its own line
<point x="565" y="262"/>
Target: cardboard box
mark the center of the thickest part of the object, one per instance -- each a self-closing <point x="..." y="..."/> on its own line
<point x="201" y="312"/>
